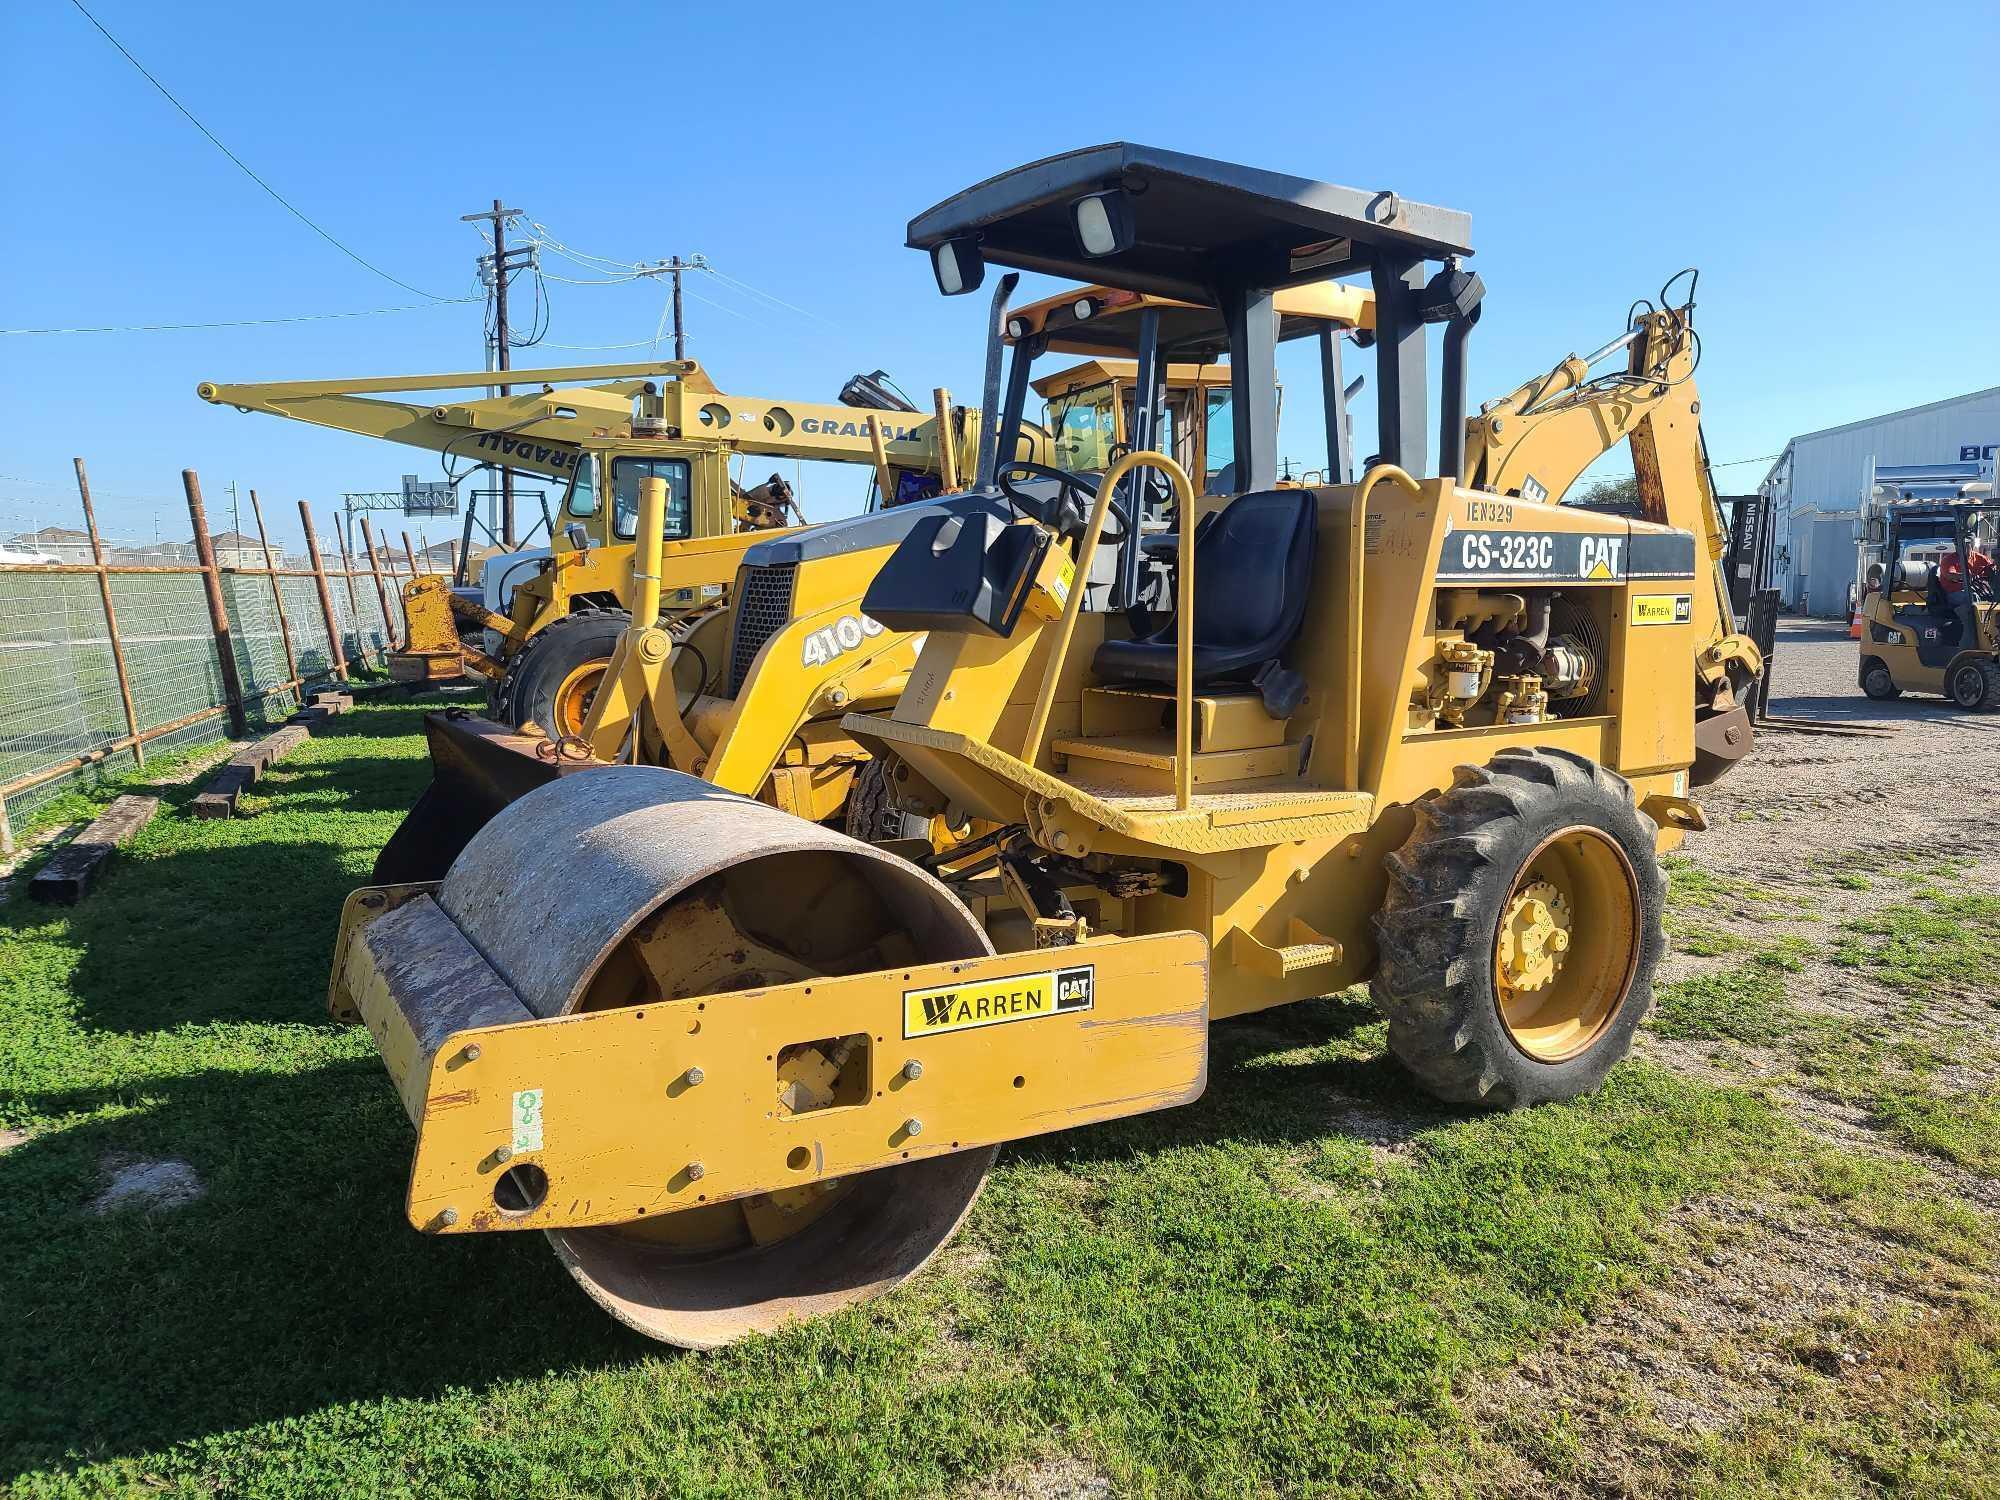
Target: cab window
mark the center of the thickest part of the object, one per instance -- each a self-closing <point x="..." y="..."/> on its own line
<point x="1083" y="430"/>
<point x="582" y="487"/>
<point x="1221" y="436"/>
<point x="627" y="474"/>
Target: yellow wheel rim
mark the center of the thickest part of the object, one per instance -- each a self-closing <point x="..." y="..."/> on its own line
<point x="1567" y="945"/>
<point x="573" y="697"/>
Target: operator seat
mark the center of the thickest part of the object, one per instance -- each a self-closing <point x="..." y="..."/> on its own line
<point x="1253" y="564"/>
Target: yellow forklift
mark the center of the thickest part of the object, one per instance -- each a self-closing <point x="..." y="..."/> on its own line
<point x="1930" y="609"/>
<point x="744" y="1069"/>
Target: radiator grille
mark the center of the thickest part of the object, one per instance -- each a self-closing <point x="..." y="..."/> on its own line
<point x="1573" y="619"/>
<point x="763" y="606"/>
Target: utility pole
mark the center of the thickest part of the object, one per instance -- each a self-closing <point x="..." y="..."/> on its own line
<point x="677" y="265"/>
<point x="502" y="358"/>
<point x="674" y="268"/>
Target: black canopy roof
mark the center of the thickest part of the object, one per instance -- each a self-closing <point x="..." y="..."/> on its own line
<point x="1198" y="222"/>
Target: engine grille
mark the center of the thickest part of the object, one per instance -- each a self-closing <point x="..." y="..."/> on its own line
<point x="763" y="606"/>
<point x="1574" y="620"/>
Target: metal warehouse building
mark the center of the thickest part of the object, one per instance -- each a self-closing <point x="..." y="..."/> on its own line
<point x="1816" y="486"/>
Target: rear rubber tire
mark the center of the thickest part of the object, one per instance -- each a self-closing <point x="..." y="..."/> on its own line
<point x="528" y="693"/>
<point x="1438" y="932"/>
<point x="1878" y="683"/>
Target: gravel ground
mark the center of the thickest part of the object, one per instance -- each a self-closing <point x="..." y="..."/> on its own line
<point x="1798" y="777"/>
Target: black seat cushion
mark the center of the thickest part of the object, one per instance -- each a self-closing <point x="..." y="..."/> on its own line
<point x="1252" y="570"/>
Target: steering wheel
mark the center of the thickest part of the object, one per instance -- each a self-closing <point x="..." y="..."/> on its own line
<point x="1073" y="502"/>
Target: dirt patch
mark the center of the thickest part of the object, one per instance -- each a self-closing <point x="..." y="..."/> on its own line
<point x="9" y="1139"/>
<point x="153" y="1186"/>
<point x="1757" y="1316"/>
<point x="1062" y="1478"/>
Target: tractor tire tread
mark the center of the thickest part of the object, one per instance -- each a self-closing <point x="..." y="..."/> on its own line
<point x="507" y="696"/>
<point x="1447" y="886"/>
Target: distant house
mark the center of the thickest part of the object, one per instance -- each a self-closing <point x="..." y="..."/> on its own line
<point x="53" y="543"/>
<point x="235" y="550"/>
<point x="14" y="555"/>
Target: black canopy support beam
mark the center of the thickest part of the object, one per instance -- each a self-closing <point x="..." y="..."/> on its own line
<point x="1401" y="380"/>
<point x="1252" y="319"/>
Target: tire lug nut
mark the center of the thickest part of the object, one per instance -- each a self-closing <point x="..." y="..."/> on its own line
<point x="692" y="1077"/>
<point x="913" y="1126"/>
<point x="913" y="1070"/>
<point x="696" y="1171"/>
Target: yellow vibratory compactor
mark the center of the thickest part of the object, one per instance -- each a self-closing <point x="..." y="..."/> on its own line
<point x="1427" y="733"/>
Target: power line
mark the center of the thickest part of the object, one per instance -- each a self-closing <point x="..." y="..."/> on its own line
<point x="368" y="312"/>
<point x="244" y="167"/>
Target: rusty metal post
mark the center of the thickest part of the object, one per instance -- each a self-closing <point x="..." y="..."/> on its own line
<point x="353" y="598"/>
<point x="325" y="593"/>
<point x="277" y="593"/>
<point x="110" y="617"/>
<point x="218" y="612"/>
<point x="381" y="592"/>
<point x="410" y="553"/>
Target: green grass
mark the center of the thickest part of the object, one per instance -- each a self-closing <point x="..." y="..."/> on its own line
<point x="1962" y="1128"/>
<point x="1240" y="1297"/>
<point x="1743" y="1004"/>
<point x="1945" y="935"/>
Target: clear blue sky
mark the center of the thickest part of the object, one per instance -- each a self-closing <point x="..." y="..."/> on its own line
<point x="1830" y="168"/>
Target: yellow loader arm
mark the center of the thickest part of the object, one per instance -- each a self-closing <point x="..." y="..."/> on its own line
<point x="1538" y="439"/>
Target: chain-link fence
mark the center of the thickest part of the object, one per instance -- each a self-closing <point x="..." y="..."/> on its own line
<point x="108" y="651"/>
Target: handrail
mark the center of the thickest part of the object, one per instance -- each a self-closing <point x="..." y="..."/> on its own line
<point x="1183" y="487"/>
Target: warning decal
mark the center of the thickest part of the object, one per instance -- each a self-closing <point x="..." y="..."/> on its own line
<point x="1020" y="997"/>
<point x="1662" y="609"/>
<point x="527" y="1121"/>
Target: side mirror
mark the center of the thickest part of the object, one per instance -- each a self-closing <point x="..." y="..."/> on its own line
<point x="1104" y="223"/>
<point x="579" y="539"/>
<point x="958" y="266"/>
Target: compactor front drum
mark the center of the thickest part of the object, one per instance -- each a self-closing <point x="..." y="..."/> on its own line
<point x="630" y="885"/>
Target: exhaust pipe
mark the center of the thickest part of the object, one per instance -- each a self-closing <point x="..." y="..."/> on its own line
<point x="989" y="390"/>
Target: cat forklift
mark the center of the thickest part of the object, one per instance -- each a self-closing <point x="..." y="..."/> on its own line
<point x="1930" y="610"/>
<point x="744" y="1069"/>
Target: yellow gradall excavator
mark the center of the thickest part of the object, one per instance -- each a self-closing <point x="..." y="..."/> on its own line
<point x="1409" y="731"/>
<point x="599" y="431"/>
